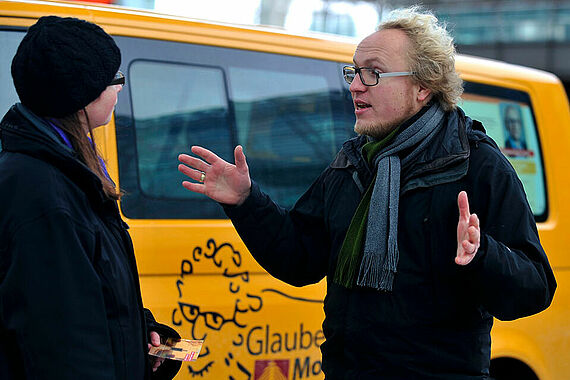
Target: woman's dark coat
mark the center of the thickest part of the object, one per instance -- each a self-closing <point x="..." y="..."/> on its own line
<point x="70" y="301"/>
<point x="436" y="322"/>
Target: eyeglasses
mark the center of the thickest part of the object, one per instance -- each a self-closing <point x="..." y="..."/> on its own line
<point x="118" y="79"/>
<point x="368" y="75"/>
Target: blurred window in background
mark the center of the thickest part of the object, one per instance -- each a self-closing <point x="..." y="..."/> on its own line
<point x="174" y="105"/>
<point x="500" y="21"/>
<point x="286" y="128"/>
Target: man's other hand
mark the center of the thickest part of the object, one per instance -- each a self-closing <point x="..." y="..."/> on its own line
<point x="468" y="232"/>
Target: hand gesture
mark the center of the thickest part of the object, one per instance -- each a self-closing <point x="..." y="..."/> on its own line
<point x="218" y="179"/>
<point x="468" y="232"/>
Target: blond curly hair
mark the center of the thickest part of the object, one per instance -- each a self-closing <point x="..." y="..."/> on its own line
<point x="431" y="55"/>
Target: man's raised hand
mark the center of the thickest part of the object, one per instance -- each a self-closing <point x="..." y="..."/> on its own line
<point x="218" y="179"/>
<point x="468" y="232"/>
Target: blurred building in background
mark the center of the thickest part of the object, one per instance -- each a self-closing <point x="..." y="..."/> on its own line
<point x="528" y="32"/>
<point x="533" y="33"/>
<point x="350" y="18"/>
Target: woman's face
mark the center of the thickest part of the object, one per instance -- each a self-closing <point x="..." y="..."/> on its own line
<point x="100" y="110"/>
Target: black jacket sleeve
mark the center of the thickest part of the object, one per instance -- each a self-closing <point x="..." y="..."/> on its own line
<point x="510" y="274"/>
<point x="292" y="245"/>
<point x="51" y="301"/>
<point x="169" y="368"/>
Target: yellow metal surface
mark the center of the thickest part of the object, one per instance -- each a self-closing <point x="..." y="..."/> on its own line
<point x="248" y="317"/>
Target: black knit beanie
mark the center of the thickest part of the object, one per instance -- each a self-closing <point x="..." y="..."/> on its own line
<point x="63" y="64"/>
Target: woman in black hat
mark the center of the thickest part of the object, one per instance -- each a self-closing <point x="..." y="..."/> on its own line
<point x="70" y="301"/>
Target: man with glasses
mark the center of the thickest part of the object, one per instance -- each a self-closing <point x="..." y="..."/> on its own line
<point x="411" y="290"/>
<point x="514" y="127"/>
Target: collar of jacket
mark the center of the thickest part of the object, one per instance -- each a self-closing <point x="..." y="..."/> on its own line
<point x="23" y="132"/>
<point x="440" y="163"/>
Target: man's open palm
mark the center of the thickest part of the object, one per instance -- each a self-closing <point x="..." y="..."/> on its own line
<point x="218" y="179"/>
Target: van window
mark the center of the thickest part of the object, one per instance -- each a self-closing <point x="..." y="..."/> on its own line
<point x="290" y="114"/>
<point x="286" y="128"/>
<point x="508" y="118"/>
<point x="175" y="105"/>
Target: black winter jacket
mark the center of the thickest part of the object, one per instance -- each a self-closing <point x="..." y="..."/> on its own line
<point x="70" y="301"/>
<point x="436" y="322"/>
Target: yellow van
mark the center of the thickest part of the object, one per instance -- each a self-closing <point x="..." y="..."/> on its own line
<point x="283" y="98"/>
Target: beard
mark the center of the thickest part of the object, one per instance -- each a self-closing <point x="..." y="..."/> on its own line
<point x="376" y="130"/>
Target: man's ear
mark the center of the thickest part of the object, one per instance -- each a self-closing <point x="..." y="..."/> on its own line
<point x="423" y="94"/>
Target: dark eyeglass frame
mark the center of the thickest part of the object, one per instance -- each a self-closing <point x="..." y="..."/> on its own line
<point x="349" y="73"/>
<point x="118" y="79"/>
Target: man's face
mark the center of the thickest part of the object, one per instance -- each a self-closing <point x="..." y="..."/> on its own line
<point x="379" y="109"/>
<point x="513" y="122"/>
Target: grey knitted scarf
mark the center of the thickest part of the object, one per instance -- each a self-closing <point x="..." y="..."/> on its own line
<point x="380" y="258"/>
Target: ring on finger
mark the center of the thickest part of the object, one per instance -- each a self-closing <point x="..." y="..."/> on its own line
<point x="202" y="177"/>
